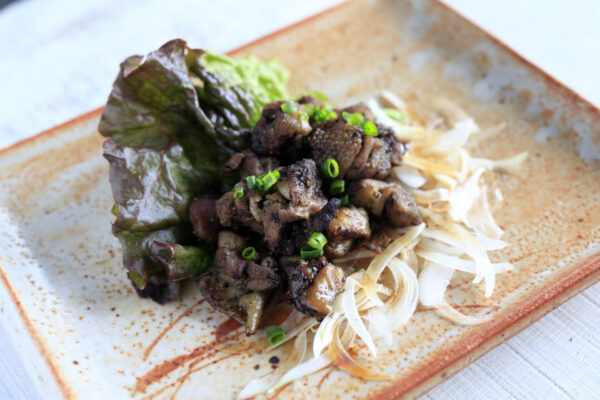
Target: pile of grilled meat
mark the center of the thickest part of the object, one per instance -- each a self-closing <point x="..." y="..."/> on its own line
<point x="278" y="223"/>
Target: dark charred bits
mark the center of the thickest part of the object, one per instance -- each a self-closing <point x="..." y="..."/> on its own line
<point x="282" y="198"/>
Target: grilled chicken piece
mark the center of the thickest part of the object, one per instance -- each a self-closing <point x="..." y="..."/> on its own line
<point x="349" y="222"/>
<point x="231" y="241"/>
<point x="338" y="248"/>
<point x="253" y="304"/>
<point x="377" y="242"/>
<point x="275" y="127"/>
<point x="234" y="213"/>
<point x="312" y="284"/>
<point x="303" y="187"/>
<point x="321" y="293"/>
<point x="358" y="156"/>
<point x="263" y="276"/>
<point x="385" y="200"/>
<point x="362" y="109"/>
<point x="230" y="262"/>
<point x="401" y="208"/>
<point x="204" y="219"/>
<point x="377" y="156"/>
<point x="338" y="140"/>
<point x="295" y="234"/>
<point x="236" y="286"/>
<point x="248" y="163"/>
<point x="298" y="198"/>
<point x="223" y="293"/>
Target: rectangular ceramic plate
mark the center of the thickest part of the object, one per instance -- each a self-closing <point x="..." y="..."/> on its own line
<point x="83" y="333"/>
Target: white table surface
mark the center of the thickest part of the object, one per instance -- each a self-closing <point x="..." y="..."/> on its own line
<point x="58" y="60"/>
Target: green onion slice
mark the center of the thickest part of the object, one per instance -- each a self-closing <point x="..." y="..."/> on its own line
<point x="322" y="114"/>
<point x="251" y="182"/>
<point x="308" y="253"/>
<point x="353" y="119"/>
<point x="344" y="200"/>
<point x="396" y="115"/>
<point x="317" y="241"/>
<point x="289" y="107"/>
<point x="267" y="180"/>
<point x="275" y="335"/>
<point x="238" y="192"/>
<point x="249" y="253"/>
<point x="369" y="129"/>
<point x="330" y="168"/>
<point x="337" y="187"/>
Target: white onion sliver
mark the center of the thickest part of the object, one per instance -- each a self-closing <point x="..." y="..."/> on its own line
<point x="447" y="311"/>
<point x="401" y="312"/>
<point x="380" y="325"/>
<point x="456" y="137"/>
<point x="381" y="260"/>
<point x="433" y="281"/>
<point x="353" y="317"/>
<point x="301" y="370"/>
<point x="408" y="175"/>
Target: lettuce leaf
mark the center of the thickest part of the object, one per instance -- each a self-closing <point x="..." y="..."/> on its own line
<point x="264" y="80"/>
<point x="173" y="117"/>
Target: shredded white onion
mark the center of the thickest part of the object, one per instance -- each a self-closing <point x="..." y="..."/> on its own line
<point x="458" y="233"/>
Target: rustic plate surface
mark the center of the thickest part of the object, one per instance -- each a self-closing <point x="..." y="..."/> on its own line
<point x="84" y="334"/>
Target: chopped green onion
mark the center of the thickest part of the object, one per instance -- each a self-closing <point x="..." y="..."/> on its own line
<point x="344" y="200"/>
<point x="249" y="253"/>
<point x="330" y="168"/>
<point x="308" y="253"/>
<point x="396" y="115"/>
<point x="238" y="192"/>
<point x="289" y="107"/>
<point x="337" y="187"/>
<point x="322" y="114"/>
<point x="317" y="241"/>
<point x="369" y="129"/>
<point x="353" y="119"/>
<point x="359" y="270"/>
<point x="115" y="209"/>
<point x="303" y="116"/>
<point x="267" y="180"/>
<point x="275" y="335"/>
<point x="251" y="182"/>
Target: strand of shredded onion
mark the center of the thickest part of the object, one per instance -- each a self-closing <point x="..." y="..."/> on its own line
<point x="458" y="233"/>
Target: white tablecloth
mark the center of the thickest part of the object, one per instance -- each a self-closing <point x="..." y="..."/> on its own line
<point x="59" y="58"/>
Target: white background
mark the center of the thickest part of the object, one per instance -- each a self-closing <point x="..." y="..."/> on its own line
<point x="58" y="60"/>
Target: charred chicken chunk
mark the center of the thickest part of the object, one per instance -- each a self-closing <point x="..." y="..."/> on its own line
<point x="248" y="163"/>
<point x="349" y="222"/>
<point x="236" y="286"/>
<point x="275" y="127"/>
<point x="357" y="155"/>
<point x="387" y="200"/>
<point x="312" y="284"/>
<point x="338" y="140"/>
<point x="338" y="248"/>
<point x="240" y="212"/>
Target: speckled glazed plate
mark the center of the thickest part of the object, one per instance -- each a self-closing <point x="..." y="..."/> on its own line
<point x="82" y="332"/>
